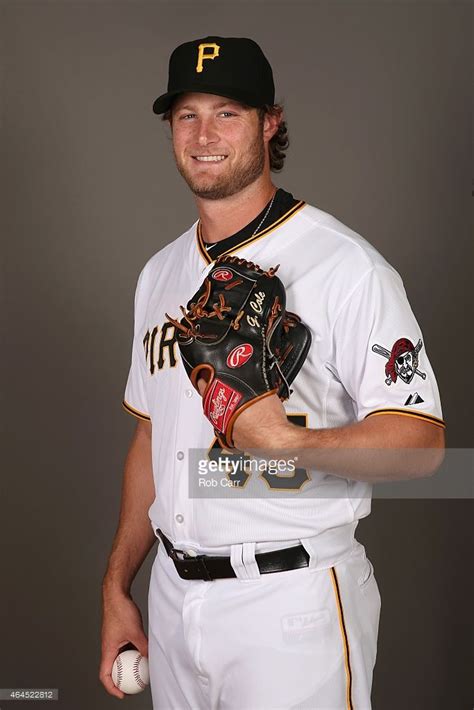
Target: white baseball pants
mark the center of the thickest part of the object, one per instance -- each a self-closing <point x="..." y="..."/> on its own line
<point x="305" y="638"/>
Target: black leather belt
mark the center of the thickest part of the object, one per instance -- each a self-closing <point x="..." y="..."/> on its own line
<point x="207" y="567"/>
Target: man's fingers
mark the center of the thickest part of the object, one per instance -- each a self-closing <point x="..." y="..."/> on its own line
<point x="106" y="680"/>
<point x="105" y="673"/>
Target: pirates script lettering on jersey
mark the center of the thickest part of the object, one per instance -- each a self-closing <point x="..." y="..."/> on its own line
<point x="167" y="347"/>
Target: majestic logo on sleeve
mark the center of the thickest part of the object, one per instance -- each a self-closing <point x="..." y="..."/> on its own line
<point x="414" y="399"/>
<point x="402" y="360"/>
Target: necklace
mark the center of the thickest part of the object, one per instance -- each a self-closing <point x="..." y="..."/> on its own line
<point x="267" y="212"/>
<point x="265" y="215"/>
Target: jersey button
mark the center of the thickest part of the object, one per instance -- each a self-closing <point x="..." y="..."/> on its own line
<point x="189" y="393"/>
<point x="180" y="455"/>
<point x="179" y="518"/>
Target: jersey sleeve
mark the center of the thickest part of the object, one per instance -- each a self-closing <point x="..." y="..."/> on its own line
<point x="135" y="397"/>
<point x="379" y="353"/>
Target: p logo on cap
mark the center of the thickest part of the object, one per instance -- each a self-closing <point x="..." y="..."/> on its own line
<point x="202" y="56"/>
<point x="242" y="73"/>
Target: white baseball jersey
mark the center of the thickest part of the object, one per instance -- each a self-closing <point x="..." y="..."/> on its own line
<point x="368" y="357"/>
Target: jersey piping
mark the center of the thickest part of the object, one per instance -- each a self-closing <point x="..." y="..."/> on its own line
<point x="409" y="413"/>
<point x="136" y="413"/>
<point x="345" y="641"/>
<point x="208" y="258"/>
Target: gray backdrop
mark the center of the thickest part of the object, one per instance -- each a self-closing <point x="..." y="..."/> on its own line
<point x="378" y="106"/>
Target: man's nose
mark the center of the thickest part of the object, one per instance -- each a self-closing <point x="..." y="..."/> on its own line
<point x="207" y="133"/>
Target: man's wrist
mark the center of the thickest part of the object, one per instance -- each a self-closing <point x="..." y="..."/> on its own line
<point x="285" y="435"/>
<point x="113" y="586"/>
<point x="289" y="436"/>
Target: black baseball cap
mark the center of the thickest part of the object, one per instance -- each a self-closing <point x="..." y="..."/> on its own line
<point x="234" y="67"/>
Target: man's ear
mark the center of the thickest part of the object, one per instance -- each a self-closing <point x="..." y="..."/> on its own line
<point x="271" y="123"/>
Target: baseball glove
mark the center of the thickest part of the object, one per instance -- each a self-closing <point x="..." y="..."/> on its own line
<point x="237" y="335"/>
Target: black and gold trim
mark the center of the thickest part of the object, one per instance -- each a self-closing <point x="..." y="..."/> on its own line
<point x="409" y="413"/>
<point x="345" y="641"/>
<point x="136" y="413"/>
<point x="243" y="238"/>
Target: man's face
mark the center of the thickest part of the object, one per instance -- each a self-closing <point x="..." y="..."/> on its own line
<point x="219" y="144"/>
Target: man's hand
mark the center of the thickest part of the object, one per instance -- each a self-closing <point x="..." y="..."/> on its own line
<point x="262" y="425"/>
<point x="122" y="624"/>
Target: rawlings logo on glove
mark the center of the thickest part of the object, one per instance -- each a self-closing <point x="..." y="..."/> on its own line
<point x="236" y="334"/>
<point x="239" y="355"/>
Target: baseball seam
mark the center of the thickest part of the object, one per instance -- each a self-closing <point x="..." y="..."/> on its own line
<point x="119" y="671"/>
<point x="136" y="672"/>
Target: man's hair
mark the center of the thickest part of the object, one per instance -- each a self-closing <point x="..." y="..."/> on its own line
<point x="278" y="144"/>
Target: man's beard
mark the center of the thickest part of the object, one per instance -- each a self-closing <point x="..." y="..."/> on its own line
<point x="226" y="185"/>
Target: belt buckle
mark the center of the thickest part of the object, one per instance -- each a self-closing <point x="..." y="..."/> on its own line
<point x="174" y="552"/>
<point x="194" y="568"/>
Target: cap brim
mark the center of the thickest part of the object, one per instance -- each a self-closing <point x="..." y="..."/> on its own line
<point x="163" y="102"/>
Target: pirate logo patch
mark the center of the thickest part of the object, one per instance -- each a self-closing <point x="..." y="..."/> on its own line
<point x="402" y="360"/>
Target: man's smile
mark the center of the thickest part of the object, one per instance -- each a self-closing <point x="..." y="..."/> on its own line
<point x="209" y="158"/>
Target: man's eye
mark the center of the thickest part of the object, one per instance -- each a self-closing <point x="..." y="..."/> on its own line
<point x="187" y="115"/>
<point x="227" y="113"/>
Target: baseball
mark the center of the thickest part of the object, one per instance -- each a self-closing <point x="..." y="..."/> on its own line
<point x="130" y="672"/>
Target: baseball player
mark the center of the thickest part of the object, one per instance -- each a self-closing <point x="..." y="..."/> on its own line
<point x="268" y="601"/>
